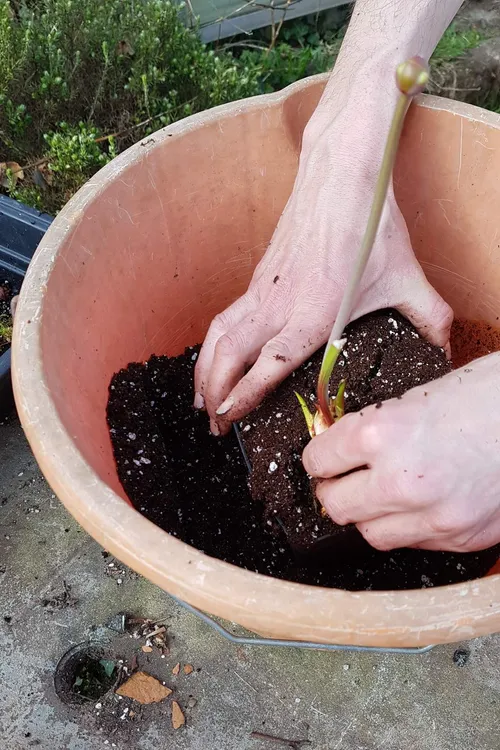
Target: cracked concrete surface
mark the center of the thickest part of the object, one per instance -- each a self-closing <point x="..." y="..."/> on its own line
<point x="335" y="700"/>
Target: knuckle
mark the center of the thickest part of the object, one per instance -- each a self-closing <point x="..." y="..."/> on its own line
<point x="401" y="488"/>
<point x="232" y="342"/>
<point x="372" y="436"/>
<point x="375" y="536"/>
<point x="337" y="513"/>
<point x="313" y="463"/>
<point x="280" y="346"/>
<point x="443" y="524"/>
<point x="469" y="539"/>
<point x="327" y="494"/>
<point x="220" y="323"/>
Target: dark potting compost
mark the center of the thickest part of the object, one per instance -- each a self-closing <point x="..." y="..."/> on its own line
<point x="384" y="357"/>
<point x="197" y="487"/>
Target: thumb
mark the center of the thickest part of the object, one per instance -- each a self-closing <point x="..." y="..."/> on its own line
<point x="429" y="313"/>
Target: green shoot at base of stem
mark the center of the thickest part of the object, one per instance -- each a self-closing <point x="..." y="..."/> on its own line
<point x="315" y="422"/>
<point x="307" y="413"/>
<point x="338" y="404"/>
<point x="329" y="361"/>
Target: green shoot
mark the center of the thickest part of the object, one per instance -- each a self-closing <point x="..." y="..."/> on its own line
<point x="315" y="423"/>
<point x="308" y="416"/>
<point x="338" y="405"/>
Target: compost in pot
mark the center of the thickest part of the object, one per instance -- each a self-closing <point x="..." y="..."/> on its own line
<point x="197" y="488"/>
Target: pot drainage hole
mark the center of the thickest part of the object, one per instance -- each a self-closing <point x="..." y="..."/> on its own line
<point x="85" y="673"/>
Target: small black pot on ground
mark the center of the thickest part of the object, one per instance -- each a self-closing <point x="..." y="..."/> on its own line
<point x="21" y="229"/>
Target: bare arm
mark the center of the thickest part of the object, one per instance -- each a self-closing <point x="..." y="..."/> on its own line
<point x="274" y="327"/>
<point x="381" y="34"/>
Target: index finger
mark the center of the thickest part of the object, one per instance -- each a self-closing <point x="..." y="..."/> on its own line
<point x="222" y="323"/>
<point x="350" y="443"/>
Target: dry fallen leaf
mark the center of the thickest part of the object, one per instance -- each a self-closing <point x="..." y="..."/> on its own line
<point x="43" y="177"/>
<point x="147" y="649"/>
<point x="144" y="688"/>
<point x="178" y="719"/>
<point x="46" y="173"/>
<point x="125" y="48"/>
<point x="176" y="669"/>
<point x="188" y="668"/>
<point x="15" y="173"/>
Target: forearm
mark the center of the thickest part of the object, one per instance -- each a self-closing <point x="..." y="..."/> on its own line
<point x="381" y="34"/>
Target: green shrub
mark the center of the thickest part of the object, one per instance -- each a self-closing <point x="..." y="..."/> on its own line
<point x="102" y="68"/>
<point x="80" y="80"/>
<point x="285" y="64"/>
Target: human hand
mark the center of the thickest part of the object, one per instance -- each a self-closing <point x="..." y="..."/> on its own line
<point x="293" y="298"/>
<point x="433" y="458"/>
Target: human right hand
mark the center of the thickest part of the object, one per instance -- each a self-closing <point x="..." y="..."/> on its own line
<point x="429" y="465"/>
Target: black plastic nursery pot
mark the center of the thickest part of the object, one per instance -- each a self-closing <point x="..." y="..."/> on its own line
<point x="21" y="229"/>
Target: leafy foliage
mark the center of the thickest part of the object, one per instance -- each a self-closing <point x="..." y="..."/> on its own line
<point x="73" y="70"/>
<point x="81" y="80"/>
<point x="454" y="43"/>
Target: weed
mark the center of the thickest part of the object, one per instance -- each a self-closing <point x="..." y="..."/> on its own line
<point x="454" y="43"/>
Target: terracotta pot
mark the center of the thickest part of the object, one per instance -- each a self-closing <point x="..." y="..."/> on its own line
<point x="167" y="236"/>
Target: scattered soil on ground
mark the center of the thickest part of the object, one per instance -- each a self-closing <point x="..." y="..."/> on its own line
<point x="110" y="685"/>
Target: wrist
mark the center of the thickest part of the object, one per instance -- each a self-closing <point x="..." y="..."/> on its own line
<point x="364" y="90"/>
<point x="354" y="115"/>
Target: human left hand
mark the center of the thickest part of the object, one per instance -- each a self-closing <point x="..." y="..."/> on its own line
<point x="431" y="476"/>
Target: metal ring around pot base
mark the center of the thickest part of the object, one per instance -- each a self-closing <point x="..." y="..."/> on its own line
<point x="255" y="641"/>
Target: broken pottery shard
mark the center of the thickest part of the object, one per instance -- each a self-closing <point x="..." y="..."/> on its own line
<point x="178" y="719"/>
<point x="144" y="688"/>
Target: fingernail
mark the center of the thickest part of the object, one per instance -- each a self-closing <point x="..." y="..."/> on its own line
<point x="226" y="406"/>
<point x="199" y="401"/>
<point x="214" y="428"/>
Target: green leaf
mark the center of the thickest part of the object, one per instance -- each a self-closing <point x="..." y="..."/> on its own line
<point x="109" y="666"/>
<point x="307" y="413"/>
<point x="338" y="405"/>
<point x="331" y="355"/>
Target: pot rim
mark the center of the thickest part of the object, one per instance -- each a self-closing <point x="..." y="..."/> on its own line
<point x="263" y="604"/>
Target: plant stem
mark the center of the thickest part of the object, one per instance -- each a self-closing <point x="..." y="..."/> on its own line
<point x="335" y="344"/>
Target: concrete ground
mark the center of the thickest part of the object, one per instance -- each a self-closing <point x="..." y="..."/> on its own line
<point x="335" y="700"/>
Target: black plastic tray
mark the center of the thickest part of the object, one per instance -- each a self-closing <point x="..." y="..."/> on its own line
<point x="21" y="229"/>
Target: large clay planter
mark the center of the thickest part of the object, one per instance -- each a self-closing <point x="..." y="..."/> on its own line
<point x="160" y="241"/>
